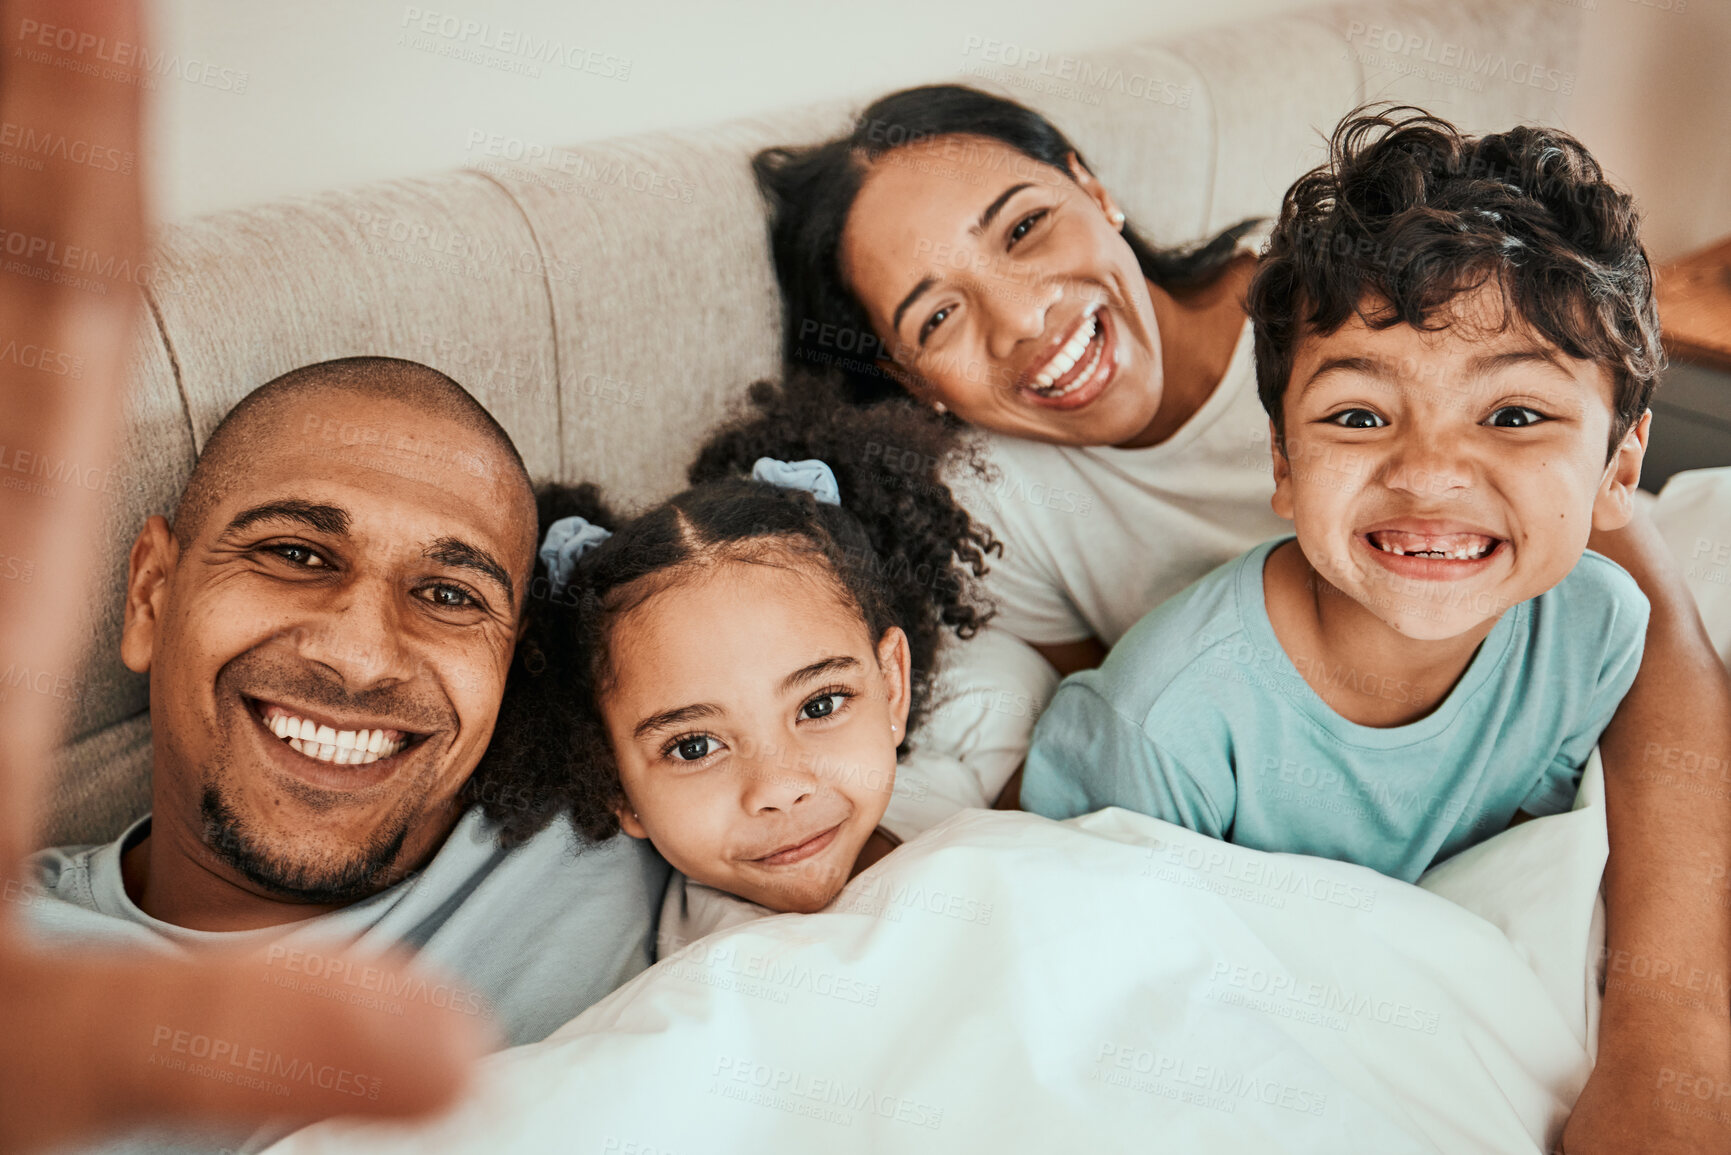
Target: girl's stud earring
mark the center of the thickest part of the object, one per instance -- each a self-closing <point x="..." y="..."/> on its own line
<point x="941" y="408"/>
<point x="1117" y="217"/>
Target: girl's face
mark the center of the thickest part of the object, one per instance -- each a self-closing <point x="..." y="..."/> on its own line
<point x="755" y="724"/>
<point x="1004" y="288"/>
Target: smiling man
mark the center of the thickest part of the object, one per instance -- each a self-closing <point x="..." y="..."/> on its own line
<point x="328" y="626"/>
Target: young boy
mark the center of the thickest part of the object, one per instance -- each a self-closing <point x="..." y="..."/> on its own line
<point x="1456" y="342"/>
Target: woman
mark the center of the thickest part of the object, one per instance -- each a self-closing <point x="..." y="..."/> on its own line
<point x="999" y="282"/>
<point x="1002" y="284"/>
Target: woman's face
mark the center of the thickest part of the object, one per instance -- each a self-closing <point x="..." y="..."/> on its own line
<point x="1004" y="289"/>
<point x="755" y="724"/>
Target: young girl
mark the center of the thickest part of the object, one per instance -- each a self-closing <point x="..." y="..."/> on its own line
<point x="736" y="670"/>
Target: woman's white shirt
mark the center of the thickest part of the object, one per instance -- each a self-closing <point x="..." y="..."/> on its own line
<point x="1095" y="537"/>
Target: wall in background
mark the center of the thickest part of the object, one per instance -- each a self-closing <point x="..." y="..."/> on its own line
<point x="293" y="98"/>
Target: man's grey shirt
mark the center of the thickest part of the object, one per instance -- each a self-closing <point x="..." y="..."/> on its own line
<point x="531" y="935"/>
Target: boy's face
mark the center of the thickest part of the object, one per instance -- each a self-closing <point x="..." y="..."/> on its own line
<point x="750" y="714"/>
<point x="1438" y="478"/>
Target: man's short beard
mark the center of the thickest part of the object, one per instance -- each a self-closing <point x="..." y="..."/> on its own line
<point x="328" y="882"/>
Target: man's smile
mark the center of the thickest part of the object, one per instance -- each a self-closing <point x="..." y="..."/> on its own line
<point x="332" y="750"/>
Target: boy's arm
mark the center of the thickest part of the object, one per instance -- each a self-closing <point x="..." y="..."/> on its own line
<point x="1665" y="1024"/>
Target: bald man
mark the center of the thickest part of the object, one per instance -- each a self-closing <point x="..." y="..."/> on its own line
<point x="328" y="625"/>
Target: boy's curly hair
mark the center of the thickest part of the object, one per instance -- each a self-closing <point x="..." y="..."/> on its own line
<point x="899" y="547"/>
<point x="1408" y="213"/>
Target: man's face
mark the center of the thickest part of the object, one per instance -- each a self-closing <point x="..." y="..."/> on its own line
<point x="1438" y="478"/>
<point x="328" y="654"/>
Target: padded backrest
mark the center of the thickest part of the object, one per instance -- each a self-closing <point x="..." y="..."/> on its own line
<point x="608" y="303"/>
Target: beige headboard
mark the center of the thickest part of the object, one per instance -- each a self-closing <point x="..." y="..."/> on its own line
<point x="609" y="304"/>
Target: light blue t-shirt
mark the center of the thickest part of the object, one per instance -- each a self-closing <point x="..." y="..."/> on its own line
<point x="1199" y="717"/>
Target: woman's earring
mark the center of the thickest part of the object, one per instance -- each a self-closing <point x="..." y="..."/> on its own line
<point x="1117" y="218"/>
<point x="941" y="408"/>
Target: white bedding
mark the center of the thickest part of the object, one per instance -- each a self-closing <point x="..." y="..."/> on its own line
<point x="1114" y="983"/>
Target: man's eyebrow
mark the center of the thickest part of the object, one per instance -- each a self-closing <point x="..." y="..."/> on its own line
<point x="453" y="551"/>
<point x="818" y="669"/>
<point x="330" y="519"/>
<point x="667" y="719"/>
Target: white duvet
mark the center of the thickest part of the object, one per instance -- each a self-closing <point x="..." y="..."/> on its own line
<point x="1113" y="983"/>
<point x="1004" y="983"/>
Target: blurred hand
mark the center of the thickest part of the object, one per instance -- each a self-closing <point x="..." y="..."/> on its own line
<point x="90" y="1043"/>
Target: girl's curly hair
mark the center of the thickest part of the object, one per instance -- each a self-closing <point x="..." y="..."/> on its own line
<point x="899" y="548"/>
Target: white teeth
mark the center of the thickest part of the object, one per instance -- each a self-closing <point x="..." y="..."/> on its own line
<point x="1065" y="359"/>
<point x="328" y="744"/>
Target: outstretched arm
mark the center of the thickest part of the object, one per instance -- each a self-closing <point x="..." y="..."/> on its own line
<point x="84" y="1038"/>
<point x="1665" y="1023"/>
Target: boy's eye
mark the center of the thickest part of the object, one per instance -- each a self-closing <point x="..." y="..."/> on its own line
<point x="694" y="748"/>
<point x="1515" y="417"/>
<point x="1357" y="419"/>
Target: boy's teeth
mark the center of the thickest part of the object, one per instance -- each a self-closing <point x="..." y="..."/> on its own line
<point x="1065" y="359"/>
<point x="328" y="744"/>
<point x="1448" y="546"/>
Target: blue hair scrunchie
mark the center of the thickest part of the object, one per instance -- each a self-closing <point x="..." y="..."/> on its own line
<point x="812" y="476"/>
<point x="568" y="539"/>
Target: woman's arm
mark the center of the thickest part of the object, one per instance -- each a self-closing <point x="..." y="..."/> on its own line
<point x="1666" y="1023"/>
<point x="1068" y="657"/>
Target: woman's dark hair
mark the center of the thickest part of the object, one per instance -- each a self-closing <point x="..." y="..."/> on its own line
<point x="899" y="547"/>
<point x="1407" y="214"/>
<point x="811" y="191"/>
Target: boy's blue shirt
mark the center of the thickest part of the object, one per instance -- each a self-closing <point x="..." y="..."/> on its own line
<point x="1199" y="717"/>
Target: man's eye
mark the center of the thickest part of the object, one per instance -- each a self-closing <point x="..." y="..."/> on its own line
<point x="933" y="322"/>
<point x="301" y="555"/>
<point x="693" y="748"/>
<point x="1025" y="225"/>
<point x="1357" y="419"/>
<point x="1515" y="417"/>
<point x="450" y="597"/>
